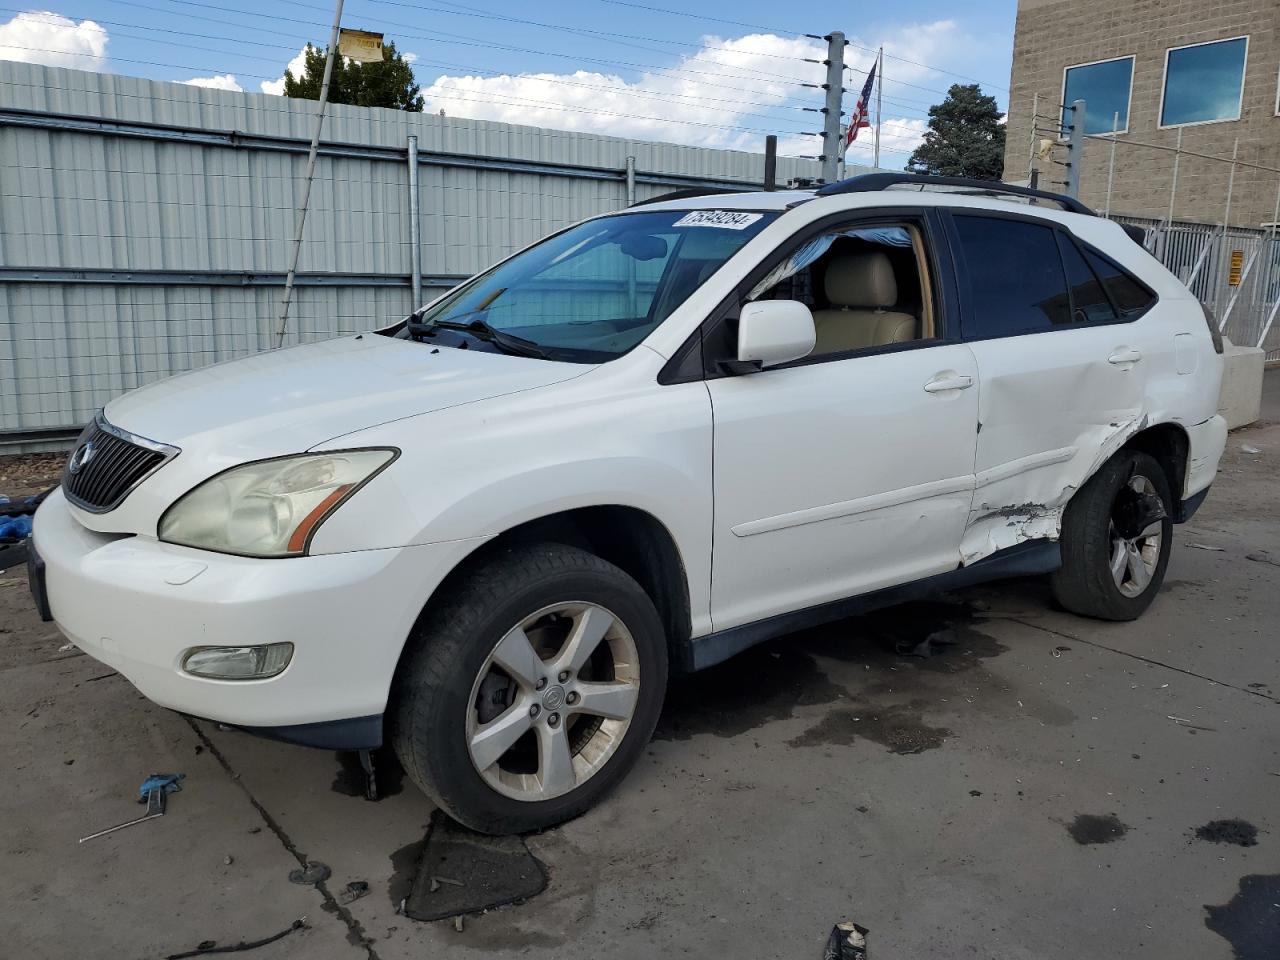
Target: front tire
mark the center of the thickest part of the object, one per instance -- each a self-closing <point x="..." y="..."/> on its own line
<point x="528" y="693"/>
<point x="1116" y="537"/>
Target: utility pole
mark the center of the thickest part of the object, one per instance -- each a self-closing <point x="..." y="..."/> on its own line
<point x="1075" y="149"/>
<point x="879" y="91"/>
<point x="311" y="172"/>
<point x="831" y="139"/>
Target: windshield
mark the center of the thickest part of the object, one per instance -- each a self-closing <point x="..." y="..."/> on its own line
<point x="592" y="293"/>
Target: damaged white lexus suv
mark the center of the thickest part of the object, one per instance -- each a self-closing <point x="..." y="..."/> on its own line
<point x="487" y="534"/>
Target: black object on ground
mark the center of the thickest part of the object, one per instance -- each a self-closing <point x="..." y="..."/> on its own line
<point x="1235" y="831"/>
<point x="1090" y="828"/>
<point x="848" y="941"/>
<point x="207" y="947"/>
<point x="314" y="872"/>
<point x="465" y="872"/>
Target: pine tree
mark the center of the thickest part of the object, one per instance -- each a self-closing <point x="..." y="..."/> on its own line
<point x="386" y="84"/>
<point x="965" y="137"/>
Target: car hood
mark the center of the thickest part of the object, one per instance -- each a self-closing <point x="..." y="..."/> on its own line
<point x="287" y="401"/>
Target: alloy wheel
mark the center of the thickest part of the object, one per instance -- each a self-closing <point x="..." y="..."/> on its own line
<point x="1134" y="558"/>
<point x="553" y="701"/>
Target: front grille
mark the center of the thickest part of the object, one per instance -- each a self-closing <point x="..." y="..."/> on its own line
<point x="107" y="464"/>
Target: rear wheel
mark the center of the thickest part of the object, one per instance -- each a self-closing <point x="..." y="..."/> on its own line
<point x="531" y="691"/>
<point x="1116" y="538"/>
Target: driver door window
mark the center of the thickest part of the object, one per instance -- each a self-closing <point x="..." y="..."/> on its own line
<point x="867" y="286"/>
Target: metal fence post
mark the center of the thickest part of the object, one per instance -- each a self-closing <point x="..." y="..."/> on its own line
<point x="1111" y="167"/>
<point x="311" y="175"/>
<point x="415" y="224"/>
<point x="1075" y="149"/>
<point x="1231" y="182"/>
<point x="1173" y="187"/>
<point x="831" y="140"/>
<point x="631" y="180"/>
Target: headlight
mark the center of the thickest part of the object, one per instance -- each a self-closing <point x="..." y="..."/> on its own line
<point x="269" y="508"/>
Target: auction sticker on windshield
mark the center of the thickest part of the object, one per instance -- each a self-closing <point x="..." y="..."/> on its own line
<point x="724" y="219"/>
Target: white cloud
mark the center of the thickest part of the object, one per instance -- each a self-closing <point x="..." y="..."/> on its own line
<point x="40" y="36"/>
<point x="225" y="81"/>
<point x="296" y="66"/>
<point x="712" y="98"/>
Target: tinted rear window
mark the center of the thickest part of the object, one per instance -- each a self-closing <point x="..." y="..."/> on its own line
<point x="1130" y="297"/>
<point x="1089" y="301"/>
<point x="1015" y="278"/>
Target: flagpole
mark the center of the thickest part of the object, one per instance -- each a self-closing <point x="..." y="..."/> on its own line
<point x="879" y="91"/>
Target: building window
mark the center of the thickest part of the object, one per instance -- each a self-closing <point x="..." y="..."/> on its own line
<point x="1104" y="87"/>
<point x="1204" y="82"/>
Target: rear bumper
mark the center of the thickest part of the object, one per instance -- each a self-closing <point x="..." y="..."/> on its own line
<point x="138" y="605"/>
<point x="1207" y="441"/>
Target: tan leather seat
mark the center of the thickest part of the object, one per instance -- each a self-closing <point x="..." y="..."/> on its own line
<point x="859" y="286"/>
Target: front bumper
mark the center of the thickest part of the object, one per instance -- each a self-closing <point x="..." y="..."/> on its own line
<point x="138" y="604"/>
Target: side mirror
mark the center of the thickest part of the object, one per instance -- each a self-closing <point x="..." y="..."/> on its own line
<point x="774" y="331"/>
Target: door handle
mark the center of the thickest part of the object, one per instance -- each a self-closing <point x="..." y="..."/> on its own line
<point x="948" y="382"/>
<point x="1125" y="355"/>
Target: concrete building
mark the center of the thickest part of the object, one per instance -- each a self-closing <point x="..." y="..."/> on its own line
<point x="1205" y="71"/>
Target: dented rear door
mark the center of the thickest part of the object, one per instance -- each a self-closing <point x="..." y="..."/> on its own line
<point x="1060" y="375"/>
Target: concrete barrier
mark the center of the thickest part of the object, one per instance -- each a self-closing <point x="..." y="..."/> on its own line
<point x="1240" y="402"/>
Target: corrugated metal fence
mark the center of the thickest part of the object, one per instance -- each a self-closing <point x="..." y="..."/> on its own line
<point x="145" y="226"/>
<point x="1235" y="271"/>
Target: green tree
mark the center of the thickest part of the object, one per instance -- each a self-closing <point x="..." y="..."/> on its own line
<point x="386" y="84"/>
<point x="965" y="137"/>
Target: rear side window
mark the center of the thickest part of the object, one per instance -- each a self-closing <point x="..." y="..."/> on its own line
<point x="1015" y="277"/>
<point x="1129" y="296"/>
<point x="1089" y="302"/>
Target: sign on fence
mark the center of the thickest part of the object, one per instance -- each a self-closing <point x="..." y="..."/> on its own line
<point x="1237" y="265"/>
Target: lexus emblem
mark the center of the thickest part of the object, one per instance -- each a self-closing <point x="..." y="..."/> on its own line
<point x="81" y="457"/>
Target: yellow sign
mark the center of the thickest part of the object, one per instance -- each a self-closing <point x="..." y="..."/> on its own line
<point x="360" y="45"/>
<point x="1237" y="265"/>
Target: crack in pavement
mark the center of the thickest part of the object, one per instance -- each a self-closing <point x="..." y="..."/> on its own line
<point x="1137" y="656"/>
<point x="355" y="930"/>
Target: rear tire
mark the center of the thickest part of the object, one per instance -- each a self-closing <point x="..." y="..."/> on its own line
<point x="501" y="713"/>
<point x="1106" y="574"/>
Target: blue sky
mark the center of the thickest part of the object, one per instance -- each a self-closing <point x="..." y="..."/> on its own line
<point x="691" y="72"/>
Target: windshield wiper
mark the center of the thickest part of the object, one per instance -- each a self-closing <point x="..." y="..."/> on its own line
<point x="483" y="330"/>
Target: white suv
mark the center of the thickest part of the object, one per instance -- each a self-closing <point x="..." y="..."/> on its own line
<point x="653" y="439"/>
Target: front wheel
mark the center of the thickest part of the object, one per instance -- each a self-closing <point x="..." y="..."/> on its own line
<point x="1116" y="537"/>
<point x="531" y="691"/>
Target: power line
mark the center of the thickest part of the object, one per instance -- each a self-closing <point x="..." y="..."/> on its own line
<point x="681" y="99"/>
<point x="755" y="26"/>
<point x="467" y="40"/>
<point x="469" y="11"/>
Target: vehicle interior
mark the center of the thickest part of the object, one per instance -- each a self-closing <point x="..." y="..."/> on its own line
<point x="867" y="287"/>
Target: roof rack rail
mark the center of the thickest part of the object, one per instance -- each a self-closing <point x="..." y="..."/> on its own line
<point x="685" y="194"/>
<point x="872" y="182"/>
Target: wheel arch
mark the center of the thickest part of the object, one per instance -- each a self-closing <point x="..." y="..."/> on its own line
<point x="630" y="538"/>
<point x="1169" y="444"/>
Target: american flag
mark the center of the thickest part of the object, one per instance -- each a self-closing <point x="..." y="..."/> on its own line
<point x="860" y="110"/>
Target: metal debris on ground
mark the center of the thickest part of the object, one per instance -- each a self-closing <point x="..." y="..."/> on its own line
<point x="206" y="947"/>
<point x="847" y="941"/>
<point x="153" y="792"/>
<point x="463" y="872"/>
<point x="353" y="891"/>
<point x="1248" y="449"/>
<point x="1205" y="546"/>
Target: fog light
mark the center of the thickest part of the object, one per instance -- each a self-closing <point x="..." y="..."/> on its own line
<point x="237" y="663"/>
